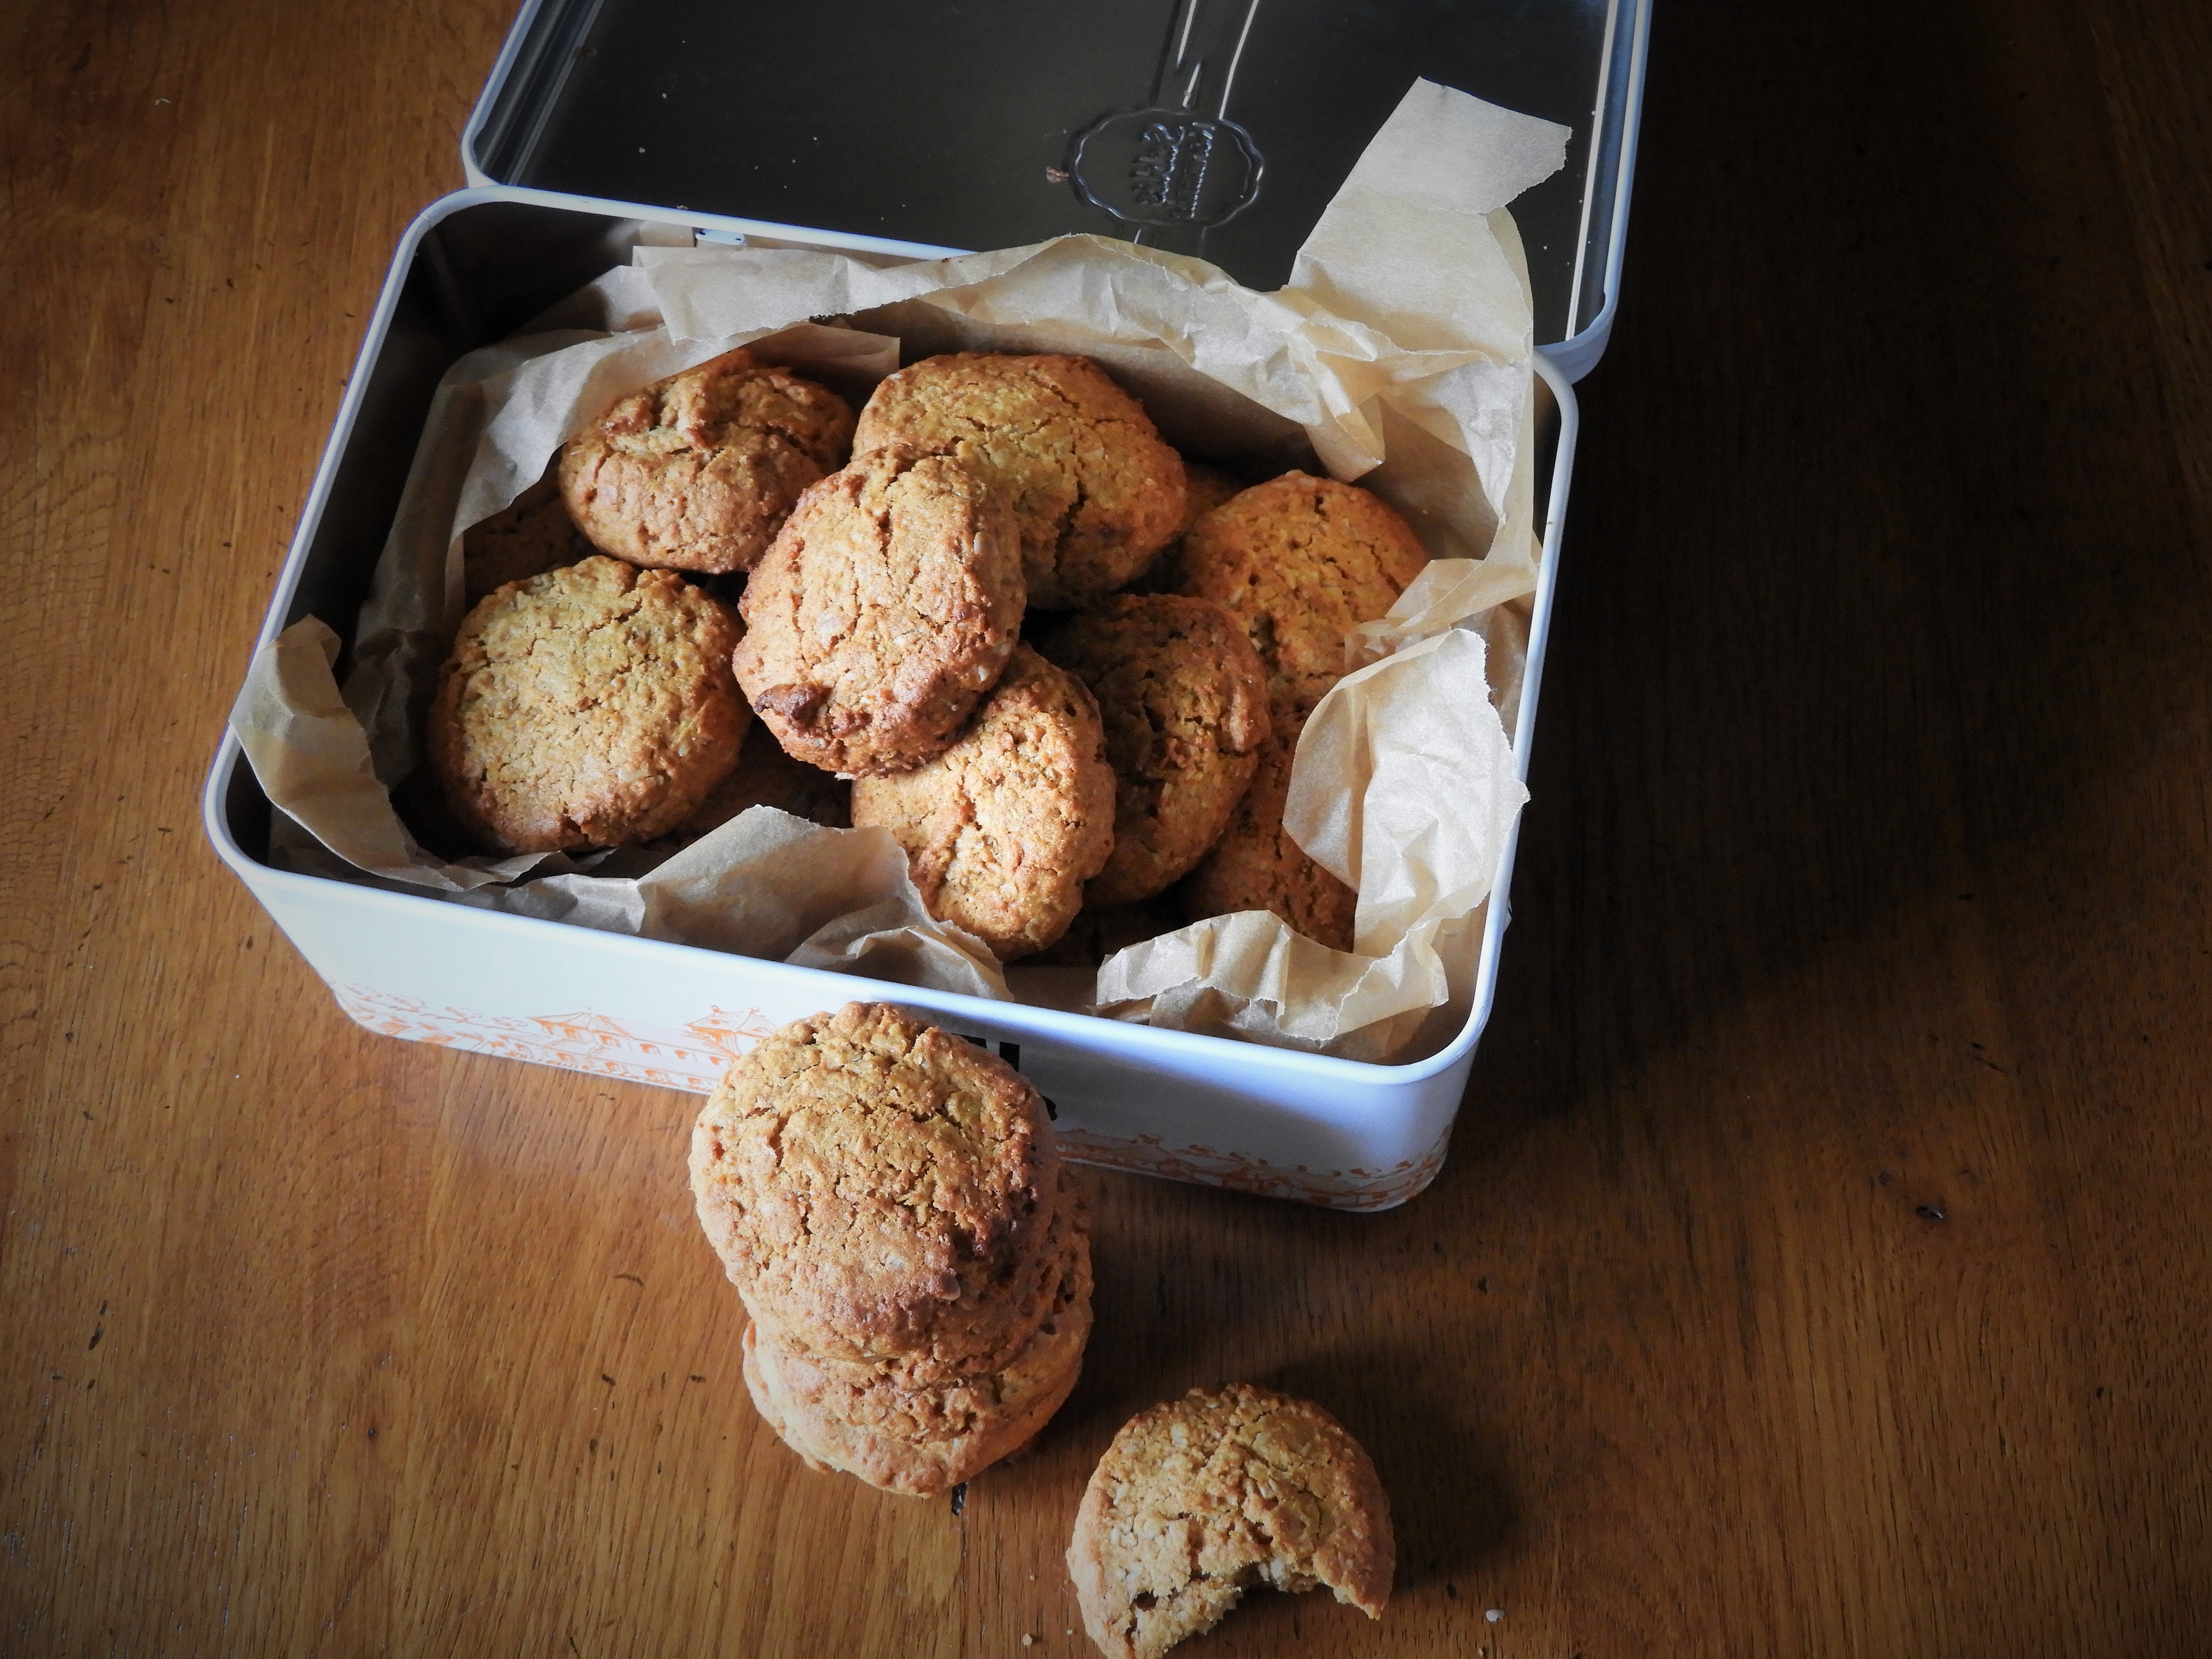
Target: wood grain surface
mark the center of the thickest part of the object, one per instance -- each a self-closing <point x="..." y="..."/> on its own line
<point x="1821" y="1267"/>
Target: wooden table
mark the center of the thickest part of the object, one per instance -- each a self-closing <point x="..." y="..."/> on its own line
<point x="1820" y="1264"/>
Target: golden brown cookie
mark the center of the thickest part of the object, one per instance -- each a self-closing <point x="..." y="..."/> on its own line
<point x="698" y="472"/>
<point x="1300" y="561"/>
<point x="1184" y="702"/>
<point x="1002" y="829"/>
<point x="1200" y="1499"/>
<point x="919" y="1446"/>
<point x="1094" y="490"/>
<point x="867" y="1179"/>
<point x="887" y="607"/>
<point x="592" y="705"/>
<point x="979" y="1334"/>
<point x="1256" y="866"/>
<point x="873" y="1421"/>
<point x="529" y="537"/>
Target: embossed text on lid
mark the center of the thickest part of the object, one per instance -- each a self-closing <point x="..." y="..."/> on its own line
<point x="1166" y="166"/>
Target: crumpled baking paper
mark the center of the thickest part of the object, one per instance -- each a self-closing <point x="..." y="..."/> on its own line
<point x="1398" y="355"/>
<point x="1404" y="787"/>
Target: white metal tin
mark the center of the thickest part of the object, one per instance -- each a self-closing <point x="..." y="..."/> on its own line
<point x="1283" y="1123"/>
<point x="1586" y="336"/>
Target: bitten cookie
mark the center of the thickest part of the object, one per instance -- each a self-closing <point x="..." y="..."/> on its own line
<point x="1300" y="561"/>
<point x="1183" y="698"/>
<point x="1003" y="829"/>
<point x="1200" y="1499"/>
<point x="592" y="705"/>
<point x="887" y="607"/>
<point x="698" y="472"/>
<point x="866" y="1178"/>
<point x="1256" y="866"/>
<point x="1095" y="491"/>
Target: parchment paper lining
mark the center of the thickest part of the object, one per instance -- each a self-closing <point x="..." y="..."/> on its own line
<point x="1399" y="355"/>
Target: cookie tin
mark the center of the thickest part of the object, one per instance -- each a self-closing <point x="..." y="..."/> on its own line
<point x="1132" y="101"/>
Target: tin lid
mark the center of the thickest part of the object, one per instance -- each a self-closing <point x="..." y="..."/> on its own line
<point x="1218" y="128"/>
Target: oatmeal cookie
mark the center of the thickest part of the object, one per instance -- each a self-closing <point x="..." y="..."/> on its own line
<point x="592" y="705"/>
<point x="698" y="472"/>
<point x="1095" y="490"/>
<point x="1200" y="1499"/>
<point x="887" y="607"/>
<point x="1300" y="561"/>
<point x="981" y="1332"/>
<point x="1256" y="866"/>
<point x="867" y="1179"/>
<point x="1183" y="698"/>
<point x="977" y="1335"/>
<point x="1004" y="828"/>
<point x="874" y="1423"/>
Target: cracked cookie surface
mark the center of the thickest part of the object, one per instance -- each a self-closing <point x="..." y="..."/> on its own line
<point x="1200" y="1498"/>
<point x="1002" y="830"/>
<point x="870" y="1181"/>
<point x="1094" y="490"/>
<point x="698" y="472"/>
<point x="592" y="705"/>
<point x="983" y="1331"/>
<point x="1182" y="696"/>
<point x="876" y="1422"/>
<point x="888" y="604"/>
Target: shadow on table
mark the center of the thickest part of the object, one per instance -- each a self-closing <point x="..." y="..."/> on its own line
<point x="1881" y="586"/>
<point x="1198" y="1287"/>
<point x="1449" y="1505"/>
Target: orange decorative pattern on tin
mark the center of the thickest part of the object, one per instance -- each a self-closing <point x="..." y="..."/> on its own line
<point x="692" y="1057"/>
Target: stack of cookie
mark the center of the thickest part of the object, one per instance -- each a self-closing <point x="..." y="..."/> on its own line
<point x="889" y="1202"/>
